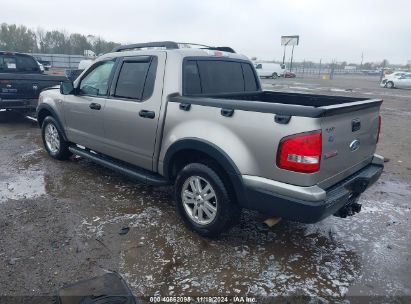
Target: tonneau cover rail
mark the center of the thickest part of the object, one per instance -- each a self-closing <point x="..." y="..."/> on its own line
<point x="273" y="107"/>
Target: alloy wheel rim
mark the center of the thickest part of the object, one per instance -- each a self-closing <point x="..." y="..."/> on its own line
<point x="52" y="138"/>
<point x="199" y="200"/>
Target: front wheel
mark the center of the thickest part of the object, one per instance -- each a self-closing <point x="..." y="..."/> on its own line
<point x="390" y="85"/>
<point x="275" y="75"/>
<point x="203" y="200"/>
<point x="53" y="139"/>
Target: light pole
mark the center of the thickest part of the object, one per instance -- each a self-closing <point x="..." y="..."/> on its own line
<point x="289" y="40"/>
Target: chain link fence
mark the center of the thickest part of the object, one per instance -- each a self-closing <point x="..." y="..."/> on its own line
<point x="60" y="60"/>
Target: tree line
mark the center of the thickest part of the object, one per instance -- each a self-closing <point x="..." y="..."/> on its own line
<point x="19" y="38"/>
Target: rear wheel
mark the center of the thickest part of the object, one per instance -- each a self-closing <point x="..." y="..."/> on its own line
<point x="204" y="201"/>
<point x="275" y="75"/>
<point x="390" y="85"/>
<point x="53" y="139"/>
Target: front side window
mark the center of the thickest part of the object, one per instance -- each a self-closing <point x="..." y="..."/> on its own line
<point x="26" y="64"/>
<point x="95" y="83"/>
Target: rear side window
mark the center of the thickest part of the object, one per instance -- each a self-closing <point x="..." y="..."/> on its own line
<point x="7" y="63"/>
<point x="218" y="76"/>
<point x="136" y="79"/>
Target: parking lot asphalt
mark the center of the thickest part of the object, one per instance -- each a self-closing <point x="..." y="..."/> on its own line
<point x="60" y="223"/>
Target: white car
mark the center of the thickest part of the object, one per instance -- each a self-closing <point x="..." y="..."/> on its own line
<point x="397" y="80"/>
<point x="270" y="69"/>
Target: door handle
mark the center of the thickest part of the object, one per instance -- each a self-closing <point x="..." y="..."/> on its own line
<point x="95" y="106"/>
<point x="147" y="114"/>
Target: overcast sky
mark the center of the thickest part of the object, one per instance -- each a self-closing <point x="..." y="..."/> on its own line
<point x="328" y="29"/>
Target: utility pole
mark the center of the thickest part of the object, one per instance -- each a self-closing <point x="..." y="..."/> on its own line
<point x="362" y="58"/>
<point x="291" y="62"/>
<point x="319" y="71"/>
<point x="332" y="69"/>
<point x="382" y="69"/>
<point x="285" y="45"/>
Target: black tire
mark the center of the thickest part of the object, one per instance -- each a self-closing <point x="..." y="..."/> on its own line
<point x="62" y="153"/>
<point x="275" y="75"/>
<point x="227" y="214"/>
<point x="390" y="85"/>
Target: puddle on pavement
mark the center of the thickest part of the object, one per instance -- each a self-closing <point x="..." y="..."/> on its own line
<point x="29" y="185"/>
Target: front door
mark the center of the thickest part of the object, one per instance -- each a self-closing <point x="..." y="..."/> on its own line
<point x="83" y="111"/>
<point x="132" y="111"/>
<point x="407" y="81"/>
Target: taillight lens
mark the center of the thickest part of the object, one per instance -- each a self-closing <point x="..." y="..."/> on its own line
<point x="379" y="128"/>
<point x="300" y="152"/>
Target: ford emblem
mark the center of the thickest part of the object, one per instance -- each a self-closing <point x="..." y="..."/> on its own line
<point x="354" y="145"/>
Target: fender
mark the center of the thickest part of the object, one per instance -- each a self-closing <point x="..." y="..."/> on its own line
<point x="213" y="151"/>
<point x="48" y="108"/>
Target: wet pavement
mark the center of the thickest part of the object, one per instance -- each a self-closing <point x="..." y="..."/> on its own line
<point x="60" y="223"/>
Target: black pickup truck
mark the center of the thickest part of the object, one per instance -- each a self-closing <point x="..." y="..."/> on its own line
<point x="21" y="81"/>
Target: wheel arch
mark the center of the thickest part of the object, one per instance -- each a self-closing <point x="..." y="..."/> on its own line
<point x="189" y="149"/>
<point x="44" y="110"/>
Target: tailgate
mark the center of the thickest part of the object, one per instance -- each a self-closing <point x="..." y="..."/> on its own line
<point x="17" y="89"/>
<point x="25" y="86"/>
<point x="349" y="139"/>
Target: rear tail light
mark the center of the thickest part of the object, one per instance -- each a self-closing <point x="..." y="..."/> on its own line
<point x="300" y="152"/>
<point x="379" y="128"/>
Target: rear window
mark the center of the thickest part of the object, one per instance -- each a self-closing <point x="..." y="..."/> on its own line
<point x="218" y="76"/>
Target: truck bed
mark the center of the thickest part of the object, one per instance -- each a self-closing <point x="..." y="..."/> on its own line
<point x="293" y="104"/>
<point x="344" y="121"/>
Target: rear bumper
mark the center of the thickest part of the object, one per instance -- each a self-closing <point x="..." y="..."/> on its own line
<point x="18" y="103"/>
<point x="306" y="208"/>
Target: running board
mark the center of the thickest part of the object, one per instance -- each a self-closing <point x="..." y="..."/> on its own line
<point x="132" y="172"/>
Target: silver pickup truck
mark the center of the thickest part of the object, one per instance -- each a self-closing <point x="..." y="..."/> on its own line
<point x="196" y="118"/>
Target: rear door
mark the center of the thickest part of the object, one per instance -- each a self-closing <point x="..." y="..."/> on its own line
<point x="83" y="111"/>
<point x="349" y="142"/>
<point x="131" y="113"/>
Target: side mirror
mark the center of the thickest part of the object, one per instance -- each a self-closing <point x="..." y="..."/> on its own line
<point x="67" y="88"/>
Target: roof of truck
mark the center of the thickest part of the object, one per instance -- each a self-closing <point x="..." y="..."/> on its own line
<point x="183" y="49"/>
